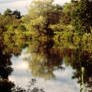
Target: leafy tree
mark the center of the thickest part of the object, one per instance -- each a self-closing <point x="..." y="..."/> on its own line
<point x="41" y="15"/>
<point x="66" y="14"/>
<point x="7" y="12"/>
<point x="17" y="14"/>
<point x="11" y="28"/>
<point x="82" y="16"/>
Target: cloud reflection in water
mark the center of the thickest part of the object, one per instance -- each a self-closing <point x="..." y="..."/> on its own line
<point x="63" y="82"/>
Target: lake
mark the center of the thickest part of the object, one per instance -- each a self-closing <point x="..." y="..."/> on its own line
<point x="44" y="66"/>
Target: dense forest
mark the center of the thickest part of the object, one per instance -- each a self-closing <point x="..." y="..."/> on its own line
<point x="69" y="27"/>
<point x="70" y="22"/>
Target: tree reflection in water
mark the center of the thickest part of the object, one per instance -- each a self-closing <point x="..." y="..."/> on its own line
<point x="81" y="59"/>
<point x="78" y="59"/>
<point x="5" y="84"/>
<point x="48" y="57"/>
<point x="5" y="71"/>
<point x="45" y="59"/>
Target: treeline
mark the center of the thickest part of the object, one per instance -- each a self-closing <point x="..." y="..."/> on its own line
<point x="70" y="22"/>
<point x="11" y="31"/>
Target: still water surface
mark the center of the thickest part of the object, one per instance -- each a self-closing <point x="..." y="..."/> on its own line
<point x="46" y="67"/>
<point x="63" y="82"/>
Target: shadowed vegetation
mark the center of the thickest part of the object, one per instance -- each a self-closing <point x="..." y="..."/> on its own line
<point x="53" y="34"/>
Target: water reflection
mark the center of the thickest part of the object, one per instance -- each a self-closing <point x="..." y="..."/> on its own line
<point x="84" y="59"/>
<point x="6" y="70"/>
<point x="50" y="64"/>
<point x="62" y="79"/>
<point x="47" y="57"/>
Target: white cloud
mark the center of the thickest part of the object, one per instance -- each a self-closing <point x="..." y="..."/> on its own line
<point x="61" y="2"/>
<point x="21" y="5"/>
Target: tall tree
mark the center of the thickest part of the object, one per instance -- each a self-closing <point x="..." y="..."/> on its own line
<point x="17" y="14"/>
<point x="41" y="14"/>
<point x="7" y="12"/>
<point x="82" y="16"/>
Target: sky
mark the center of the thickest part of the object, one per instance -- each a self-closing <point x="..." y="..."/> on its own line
<point x="21" y="5"/>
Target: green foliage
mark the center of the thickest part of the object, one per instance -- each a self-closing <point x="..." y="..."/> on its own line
<point x="7" y="12"/>
<point x="50" y="24"/>
<point x="82" y="15"/>
<point x="17" y="14"/>
<point x="41" y="15"/>
<point x="45" y="20"/>
<point x="12" y="32"/>
<point x="67" y="12"/>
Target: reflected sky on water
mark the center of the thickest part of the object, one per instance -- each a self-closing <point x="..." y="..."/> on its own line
<point x="47" y="65"/>
<point x="63" y="81"/>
